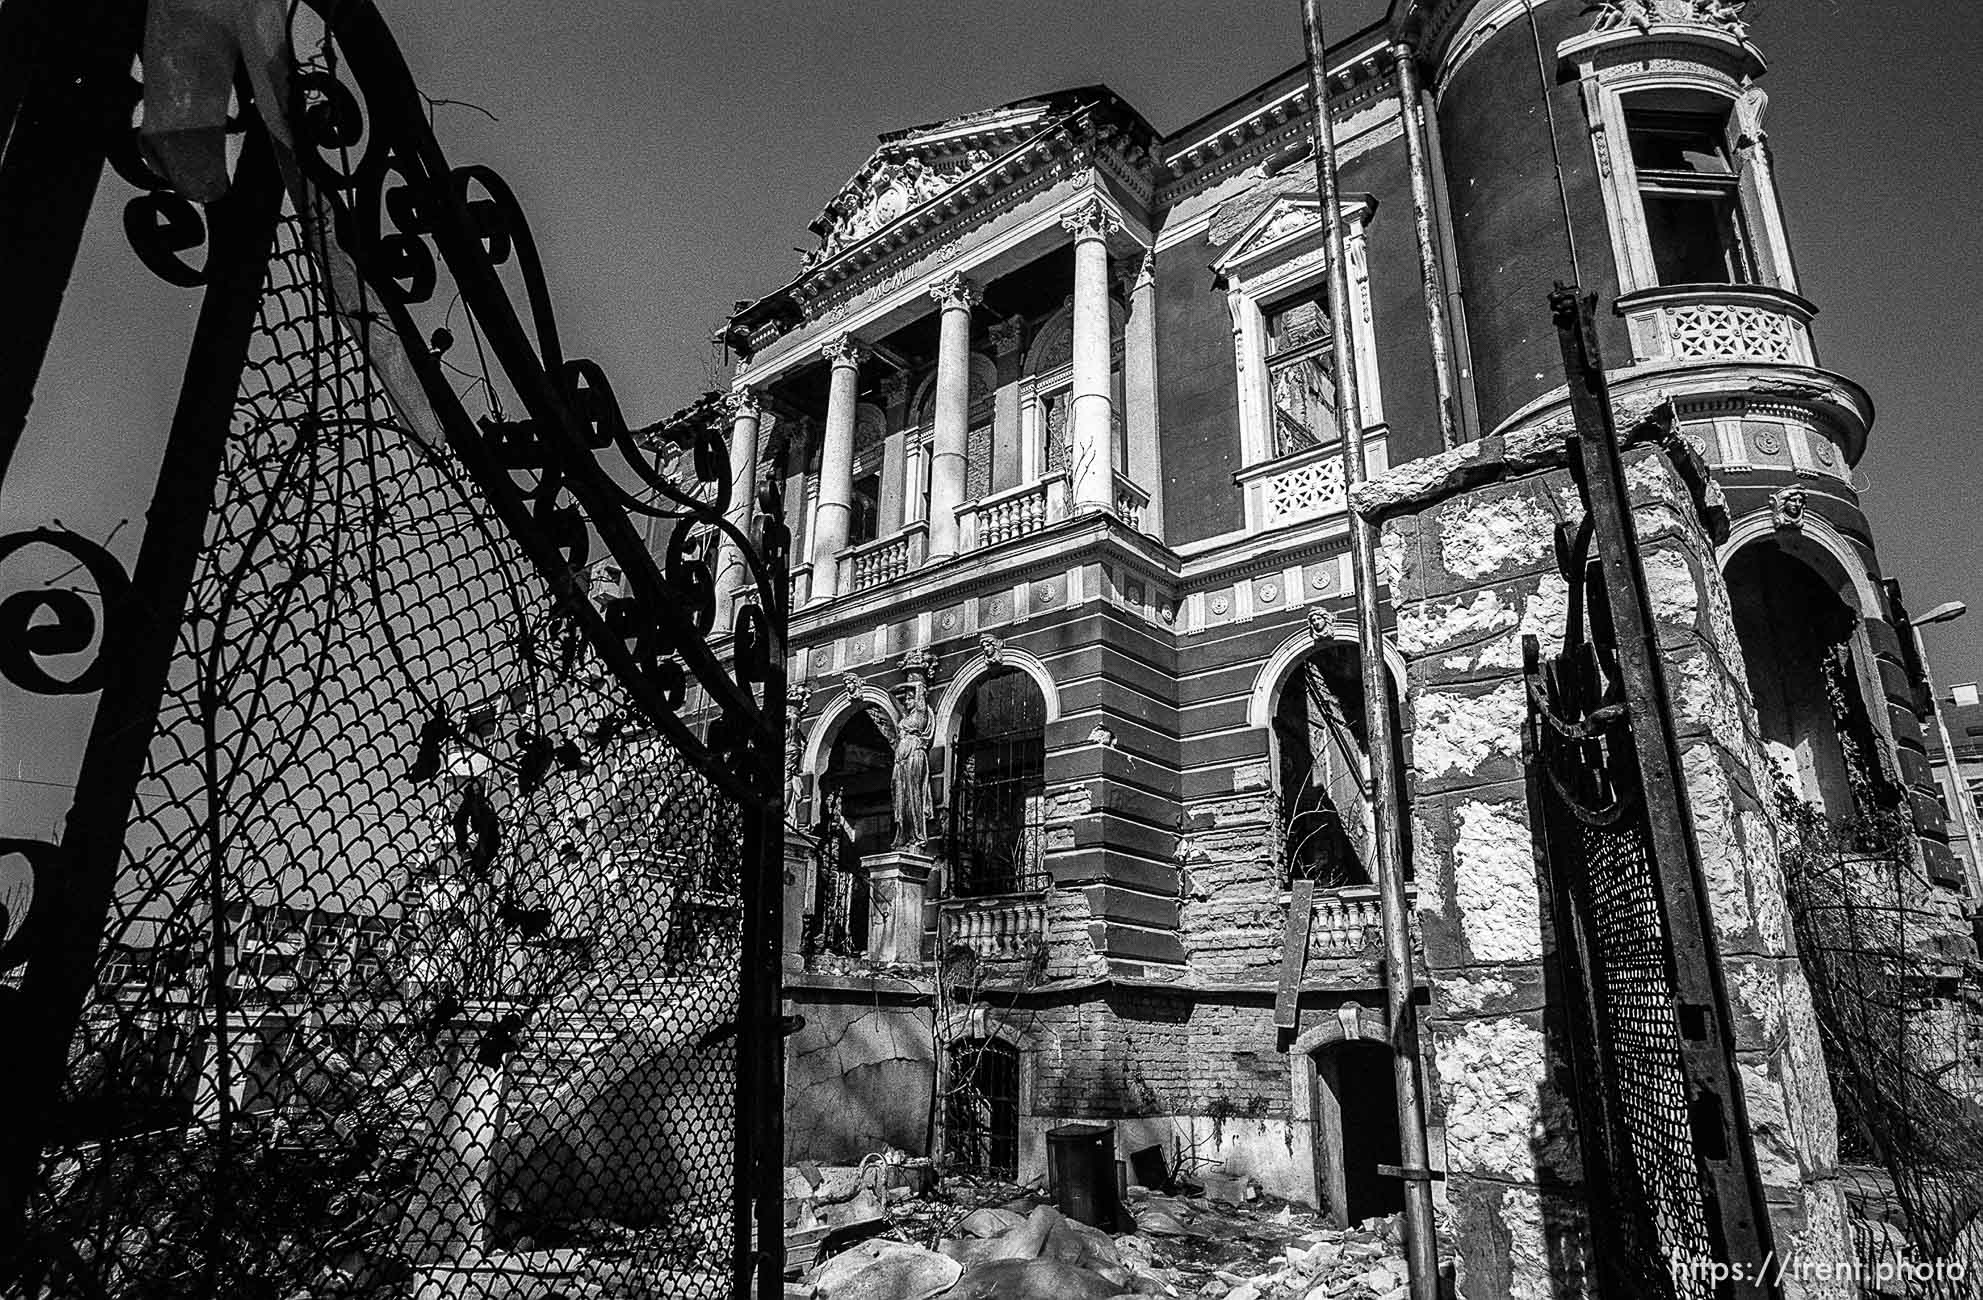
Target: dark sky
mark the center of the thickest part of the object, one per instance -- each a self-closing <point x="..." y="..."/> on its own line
<point x="670" y="153"/>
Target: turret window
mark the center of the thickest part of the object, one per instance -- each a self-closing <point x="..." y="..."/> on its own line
<point x="1690" y="190"/>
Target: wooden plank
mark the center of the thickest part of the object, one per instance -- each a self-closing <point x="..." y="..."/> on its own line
<point x="1294" y="953"/>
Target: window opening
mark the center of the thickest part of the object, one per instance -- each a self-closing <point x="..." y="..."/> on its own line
<point x="981" y="1108"/>
<point x="998" y="805"/>
<point x="1690" y="189"/>
<point x="1301" y="358"/>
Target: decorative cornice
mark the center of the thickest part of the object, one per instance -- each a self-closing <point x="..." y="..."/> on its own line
<point x="844" y="350"/>
<point x="957" y="290"/>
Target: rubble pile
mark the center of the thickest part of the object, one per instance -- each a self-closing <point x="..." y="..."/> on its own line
<point x="981" y="1240"/>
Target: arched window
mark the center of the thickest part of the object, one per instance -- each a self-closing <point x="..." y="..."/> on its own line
<point x="1322" y="761"/>
<point x="1797" y="645"/>
<point x="998" y="788"/>
<point x="856" y="818"/>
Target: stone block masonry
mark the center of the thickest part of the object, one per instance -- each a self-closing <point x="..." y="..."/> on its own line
<point x="1469" y="541"/>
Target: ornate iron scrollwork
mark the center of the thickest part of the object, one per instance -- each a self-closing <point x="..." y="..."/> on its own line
<point x="75" y="628"/>
<point x="370" y="163"/>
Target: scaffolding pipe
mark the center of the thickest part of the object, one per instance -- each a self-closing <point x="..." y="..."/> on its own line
<point x="1412" y="109"/>
<point x="1421" y="1246"/>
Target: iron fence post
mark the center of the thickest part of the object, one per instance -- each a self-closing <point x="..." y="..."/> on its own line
<point x="1736" y="1211"/>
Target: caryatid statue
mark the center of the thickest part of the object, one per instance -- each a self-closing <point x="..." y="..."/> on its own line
<point x="911" y="736"/>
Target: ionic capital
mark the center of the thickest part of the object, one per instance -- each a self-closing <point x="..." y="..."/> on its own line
<point x="844" y="350"/>
<point x="957" y="291"/>
<point x="1091" y="219"/>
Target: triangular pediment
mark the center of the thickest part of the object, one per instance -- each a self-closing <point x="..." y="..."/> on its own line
<point x="1290" y="223"/>
<point x="1285" y="222"/>
<point x="917" y="167"/>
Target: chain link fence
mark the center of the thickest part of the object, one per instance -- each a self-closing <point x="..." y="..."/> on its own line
<point x="422" y="975"/>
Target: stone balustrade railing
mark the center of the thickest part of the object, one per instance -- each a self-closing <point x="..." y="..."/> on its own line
<point x="1708" y="324"/>
<point x="1000" y="928"/>
<point x="1349" y="922"/>
<point x="885" y="559"/>
<point x="1130" y="501"/>
<point x="1015" y="512"/>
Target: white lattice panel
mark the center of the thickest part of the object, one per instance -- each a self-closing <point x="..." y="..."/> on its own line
<point x="1305" y="492"/>
<point x="1723" y="331"/>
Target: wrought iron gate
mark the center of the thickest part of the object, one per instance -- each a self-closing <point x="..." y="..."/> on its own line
<point x="414" y="928"/>
<point x="1672" y="1178"/>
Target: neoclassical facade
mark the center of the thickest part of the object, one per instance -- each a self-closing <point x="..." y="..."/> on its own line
<point x="1055" y="392"/>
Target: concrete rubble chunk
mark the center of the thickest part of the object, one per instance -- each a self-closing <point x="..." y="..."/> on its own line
<point x="886" y="1270"/>
<point x="990" y="1222"/>
<point x="1031" y="1279"/>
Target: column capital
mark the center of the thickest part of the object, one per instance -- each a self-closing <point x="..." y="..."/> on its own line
<point x="957" y="290"/>
<point x="844" y="350"/>
<point x="744" y="404"/>
<point x="1008" y="334"/>
<point x="1146" y="269"/>
<point x="1091" y="219"/>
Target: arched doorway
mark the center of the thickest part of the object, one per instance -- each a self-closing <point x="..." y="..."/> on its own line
<point x="855" y="818"/>
<point x="1321" y="769"/>
<point x="1356" y="1130"/>
<point x="997" y="793"/>
<point x="1798" y="646"/>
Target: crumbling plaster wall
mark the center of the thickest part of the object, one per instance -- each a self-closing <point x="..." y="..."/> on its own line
<point x="1472" y="571"/>
<point x="861" y="1072"/>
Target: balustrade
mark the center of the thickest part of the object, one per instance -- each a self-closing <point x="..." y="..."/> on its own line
<point x="1015" y="512"/>
<point x="1349" y="922"/>
<point x="1130" y="501"/>
<point x="1002" y="928"/>
<point x="871" y="564"/>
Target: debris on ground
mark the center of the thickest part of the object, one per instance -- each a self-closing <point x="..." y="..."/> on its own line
<point x="981" y="1239"/>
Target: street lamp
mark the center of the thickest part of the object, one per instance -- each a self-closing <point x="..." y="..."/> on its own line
<point x="1955" y="789"/>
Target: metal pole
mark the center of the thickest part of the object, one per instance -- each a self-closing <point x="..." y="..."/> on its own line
<point x="1413" y="111"/>
<point x="1952" y="783"/>
<point x="40" y="1021"/>
<point x="1718" y="1113"/>
<point x="1421" y="1244"/>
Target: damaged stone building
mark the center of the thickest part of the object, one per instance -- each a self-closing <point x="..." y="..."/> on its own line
<point x="1076" y="680"/>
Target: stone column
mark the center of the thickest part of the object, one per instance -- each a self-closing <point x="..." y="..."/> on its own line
<point x="1139" y="384"/>
<point x="834" y="513"/>
<point x="732" y="574"/>
<point x="894" y="457"/>
<point x="955" y="295"/>
<point x="1089" y="456"/>
<point x="1007" y="431"/>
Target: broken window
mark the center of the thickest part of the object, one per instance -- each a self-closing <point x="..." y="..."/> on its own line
<point x="1690" y="190"/>
<point x="1326" y="831"/>
<point x="1321" y="744"/>
<point x="997" y="818"/>
<point x="1301" y="360"/>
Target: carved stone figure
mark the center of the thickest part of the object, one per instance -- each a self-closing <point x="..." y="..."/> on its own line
<point x="1321" y="623"/>
<point x="1787" y="508"/>
<point x="795" y="748"/>
<point x="992" y="649"/>
<point x="911" y="737"/>
<point x="1642" y="14"/>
